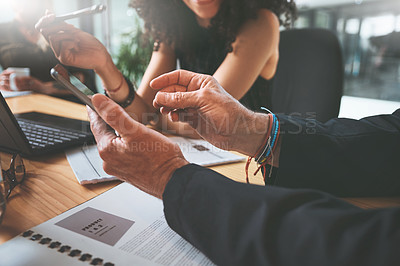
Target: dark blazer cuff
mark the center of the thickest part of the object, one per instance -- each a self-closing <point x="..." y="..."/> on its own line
<point x="174" y="193"/>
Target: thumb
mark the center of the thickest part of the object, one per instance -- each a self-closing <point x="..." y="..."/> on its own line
<point x="177" y="100"/>
<point x="114" y="115"/>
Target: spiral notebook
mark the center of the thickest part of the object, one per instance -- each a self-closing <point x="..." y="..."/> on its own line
<point x="123" y="226"/>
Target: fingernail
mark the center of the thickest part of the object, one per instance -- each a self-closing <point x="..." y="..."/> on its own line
<point x="151" y="83"/>
<point x="99" y="98"/>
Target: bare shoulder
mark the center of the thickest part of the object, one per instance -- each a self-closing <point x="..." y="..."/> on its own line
<point x="267" y="18"/>
<point x="264" y="28"/>
<point x="258" y="41"/>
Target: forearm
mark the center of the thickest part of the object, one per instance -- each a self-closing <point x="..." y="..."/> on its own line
<point x="343" y="157"/>
<point x="249" y="132"/>
<point x="117" y="89"/>
<point x="113" y="80"/>
<point x="241" y="224"/>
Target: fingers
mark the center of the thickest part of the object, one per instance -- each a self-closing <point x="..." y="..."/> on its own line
<point x="47" y="25"/>
<point x="192" y="81"/>
<point x="5" y="82"/>
<point x="45" y="21"/>
<point x="24" y="83"/>
<point x="187" y="116"/>
<point x="6" y="72"/>
<point x="59" y="27"/>
<point x="175" y="88"/>
<point x="54" y="32"/>
<point x="177" y="100"/>
<point x="101" y="131"/>
<point x="62" y="44"/>
<point x="27" y="79"/>
<point x="115" y="116"/>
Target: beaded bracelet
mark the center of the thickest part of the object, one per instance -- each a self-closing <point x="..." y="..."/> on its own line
<point x="131" y="95"/>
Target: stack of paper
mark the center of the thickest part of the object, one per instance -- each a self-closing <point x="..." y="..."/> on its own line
<point x="88" y="166"/>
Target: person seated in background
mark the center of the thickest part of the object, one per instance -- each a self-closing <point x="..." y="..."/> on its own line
<point x="21" y="45"/>
<point x="236" y="41"/>
<point x="242" y="224"/>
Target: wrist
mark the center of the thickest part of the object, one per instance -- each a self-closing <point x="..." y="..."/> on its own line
<point x="268" y="150"/>
<point x="166" y="172"/>
<point x="113" y="81"/>
<point x="258" y="126"/>
<point x="106" y="67"/>
<point x="131" y="93"/>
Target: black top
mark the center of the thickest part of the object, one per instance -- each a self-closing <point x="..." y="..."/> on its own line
<point x="206" y="54"/>
<point x="240" y="224"/>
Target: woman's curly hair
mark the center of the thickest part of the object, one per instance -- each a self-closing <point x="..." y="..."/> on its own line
<point x="172" y="22"/>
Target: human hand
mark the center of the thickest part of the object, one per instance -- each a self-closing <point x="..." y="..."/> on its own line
<point x="28" y="84"/>
<point x="219" y="118"/>
<point x="5" y="80"/>
<point x="73" y="46"/>
<point x="33" y="84"/>
<point x="139" y="155"/>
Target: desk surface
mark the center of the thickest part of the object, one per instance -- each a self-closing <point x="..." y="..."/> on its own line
<point x="51" y="187"/>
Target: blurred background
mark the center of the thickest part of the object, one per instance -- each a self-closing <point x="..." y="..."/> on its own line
<point x="368" y="30"/>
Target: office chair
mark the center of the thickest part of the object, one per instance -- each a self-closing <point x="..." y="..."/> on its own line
<point x="309" y="77"/>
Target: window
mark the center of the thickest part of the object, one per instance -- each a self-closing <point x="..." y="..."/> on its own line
<point x="369" y="33"/>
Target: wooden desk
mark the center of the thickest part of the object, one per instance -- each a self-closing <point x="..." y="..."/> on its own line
<point x="51" y="187"/>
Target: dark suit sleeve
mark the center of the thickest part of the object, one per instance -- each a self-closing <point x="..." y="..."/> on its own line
<point x="343" y="157"/>
<point x="242" y="224"/>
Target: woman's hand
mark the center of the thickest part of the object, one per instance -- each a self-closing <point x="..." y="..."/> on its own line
<point x="73" y="46"/>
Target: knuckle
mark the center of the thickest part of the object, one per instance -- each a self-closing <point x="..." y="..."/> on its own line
<point x="108" y="168"/>
<point x="93" y="127"/>
<point x="212" y="79"/>
<point x="104" y="152"/>
<point x="177" y="97"/>
<point x="113" y="114"/>
<point x="205" y="93"/>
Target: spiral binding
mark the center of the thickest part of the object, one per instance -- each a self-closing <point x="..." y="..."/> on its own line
<point x="66" y="249"/>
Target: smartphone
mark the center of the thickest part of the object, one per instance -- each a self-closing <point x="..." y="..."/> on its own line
<point x="72" y="83"/>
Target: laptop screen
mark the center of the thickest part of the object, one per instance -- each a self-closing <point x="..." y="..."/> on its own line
<point x="11" y="136"/>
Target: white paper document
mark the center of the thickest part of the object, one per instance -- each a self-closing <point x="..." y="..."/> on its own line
<point x="123" y="226"/>
<point x="203" y="153"/>
<point x="9" y="94"/>
<point x="88" y="166"/>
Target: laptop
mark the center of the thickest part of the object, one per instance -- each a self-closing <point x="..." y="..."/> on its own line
<point x="32" y="134"/>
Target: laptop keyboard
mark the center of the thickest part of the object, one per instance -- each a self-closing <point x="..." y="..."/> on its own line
<point x="40" y="136"/>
